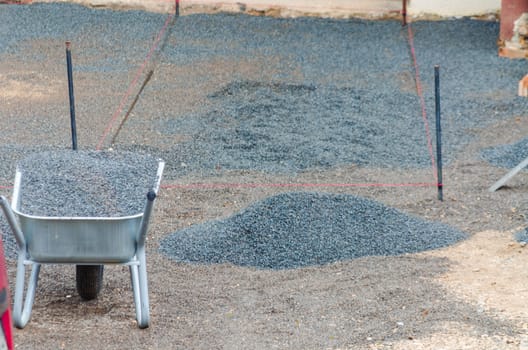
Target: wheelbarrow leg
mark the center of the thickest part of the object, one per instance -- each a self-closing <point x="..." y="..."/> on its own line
<point x="143" y="291"/>
<point x="135" y="290"/>
<point x="138" y="274"/>
<point x="22" y="307"/>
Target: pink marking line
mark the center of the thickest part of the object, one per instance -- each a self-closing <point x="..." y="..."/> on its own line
<point x="132" y="85"/>
<point x="419" y="91"/>
<point x="288" y="185"/>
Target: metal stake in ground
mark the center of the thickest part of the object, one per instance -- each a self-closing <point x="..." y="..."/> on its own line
<point x="404" y="13"/>
<point x="438" y="134"/>
<point x="89" y="278"/>
<point x="72" y="100"/>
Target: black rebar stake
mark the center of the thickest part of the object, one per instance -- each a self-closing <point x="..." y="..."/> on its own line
<point x="72" y="100"/>
<point x="404" y="13"/>
<point x="438" y="134"/>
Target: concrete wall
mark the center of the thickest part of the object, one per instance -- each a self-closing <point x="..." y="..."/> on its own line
<point x="454" y="7"/>
<point x="326" y="8"/>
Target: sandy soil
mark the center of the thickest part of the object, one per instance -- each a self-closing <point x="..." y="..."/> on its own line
<point x="469" y="296"/>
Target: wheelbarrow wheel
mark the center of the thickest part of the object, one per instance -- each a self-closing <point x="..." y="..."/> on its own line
<point x="89" y="280"/>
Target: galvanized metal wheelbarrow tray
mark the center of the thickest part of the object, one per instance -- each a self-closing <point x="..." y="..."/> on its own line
<point x="79" y="240"/>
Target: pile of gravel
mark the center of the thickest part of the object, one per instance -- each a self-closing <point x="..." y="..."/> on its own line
<point x="288" y="128"/>
<point x="507" y="156"/>
<point x="86" y="183"/>
<point x="301" y="229"/>
<point x="522" y="236"/>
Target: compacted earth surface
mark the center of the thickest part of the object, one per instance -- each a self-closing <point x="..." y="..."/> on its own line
<point x="298" y="207"/>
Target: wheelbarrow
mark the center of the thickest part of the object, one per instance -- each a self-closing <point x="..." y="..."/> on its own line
<point x="83" y="241"/>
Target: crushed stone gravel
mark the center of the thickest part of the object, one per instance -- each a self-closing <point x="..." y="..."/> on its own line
<point x="288" y="128"/>
<point x="383" y="299"/>
<point x="301" y="229"/>
<point x="521" y="236"/>
<point x="507" y="156"/>
<point x="312" y="106"/>
<point x="8" y="238"/>
<point x="85" y="183"/>
<point x="95" y="30"/>
<point x="318" y="108"/>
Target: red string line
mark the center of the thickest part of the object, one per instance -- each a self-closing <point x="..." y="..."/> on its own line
<point x="289" y="185"/>
<point x="278" y="185"/>
<point x="419" y="91"/>
<point x="132" y="85"/>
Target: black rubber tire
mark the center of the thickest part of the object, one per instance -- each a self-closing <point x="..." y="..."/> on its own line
<point x="89" y="280"/>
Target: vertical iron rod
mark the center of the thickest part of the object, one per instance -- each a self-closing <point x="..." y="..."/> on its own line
<point x="72" y="100"/>
<point x="404" y="13"/>
<point x="438" y="134"/>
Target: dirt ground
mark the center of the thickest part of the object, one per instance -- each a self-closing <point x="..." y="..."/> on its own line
<point x="473" y="295"/>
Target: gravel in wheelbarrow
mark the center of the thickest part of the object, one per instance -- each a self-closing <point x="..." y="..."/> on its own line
<point x="85" y="183"/>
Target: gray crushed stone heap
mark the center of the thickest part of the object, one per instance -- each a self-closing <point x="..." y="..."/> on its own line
<point x="521" y="236"/>
<point x="507" y="156"/>
<point x="302" y="229"/>
<point x="85" y="183"/>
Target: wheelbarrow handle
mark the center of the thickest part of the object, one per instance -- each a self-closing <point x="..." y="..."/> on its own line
<point x="142" y="233"/>
<point x="151" y="196"/>
<point x="11" y="219"/>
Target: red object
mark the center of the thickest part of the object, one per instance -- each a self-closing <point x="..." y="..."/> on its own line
<point x="511" y="10"/>
<point x="5" y="312"/>
<point x="7" y="326"/>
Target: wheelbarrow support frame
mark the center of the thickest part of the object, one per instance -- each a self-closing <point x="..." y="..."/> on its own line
<point x="22" y="306"/>
<point x="21" y="314"/>
<point x="138" y="272"/>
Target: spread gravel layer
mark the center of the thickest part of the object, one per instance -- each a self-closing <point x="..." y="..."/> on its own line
<point x="302" y="229"/>
<point x="320" y="93"/>
<point x="507" y="156"/>
<point x="315" y="107"/>
<point x="85" y="183"/>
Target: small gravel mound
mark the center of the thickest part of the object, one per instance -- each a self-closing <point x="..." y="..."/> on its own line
<point x="507" y="156"/>
<point x="522" y="236"/>
<point x="302" y="229"/>
<point x="86" y="183"/>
